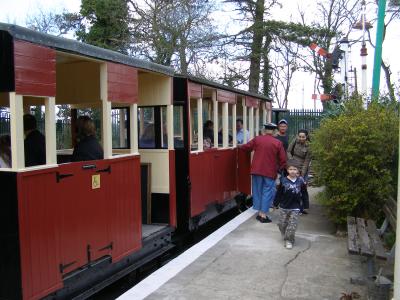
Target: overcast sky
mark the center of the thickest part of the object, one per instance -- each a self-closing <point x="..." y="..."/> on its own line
<point x="15" y="11"/>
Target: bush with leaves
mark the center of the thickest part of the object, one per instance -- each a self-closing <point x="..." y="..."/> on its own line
<point x="355" y="158"/>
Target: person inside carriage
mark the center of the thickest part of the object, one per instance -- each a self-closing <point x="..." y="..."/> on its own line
<point x="5" y="151"/>
<point x="87" y="147"/>
<point x="35" y="143"/>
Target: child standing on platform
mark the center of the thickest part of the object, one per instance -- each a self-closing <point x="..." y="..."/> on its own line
<point x="289" y="199"/>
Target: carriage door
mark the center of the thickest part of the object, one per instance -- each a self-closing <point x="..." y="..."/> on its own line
<point x="83" y="221"/>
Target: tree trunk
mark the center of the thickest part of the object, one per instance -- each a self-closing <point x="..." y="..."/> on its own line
<point x="266" y="71"/>
<point x="256" y="47"/>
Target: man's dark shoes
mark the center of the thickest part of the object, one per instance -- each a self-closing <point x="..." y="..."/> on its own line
<point x="263" y="220"/>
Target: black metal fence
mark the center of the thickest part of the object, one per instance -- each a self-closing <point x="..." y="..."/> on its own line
<point x="308" y="119"/>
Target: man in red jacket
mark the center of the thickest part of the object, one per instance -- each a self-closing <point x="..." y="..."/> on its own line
<point x="269" y="157"/>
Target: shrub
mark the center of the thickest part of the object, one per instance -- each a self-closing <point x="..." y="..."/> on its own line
<point x="355" y="157"/>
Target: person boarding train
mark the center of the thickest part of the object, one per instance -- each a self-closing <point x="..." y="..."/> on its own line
<point x="269" y="157"/>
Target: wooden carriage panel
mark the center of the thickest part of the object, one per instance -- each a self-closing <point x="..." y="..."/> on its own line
<point x="226" y="172"/>
<point x="122" y="83"/>
<point x="38" y="229"/>
<point x="197" y="173"/>
<point x="251" y="102"/>
<point x="195" y="90"/>
<point x="225" y="96"/>
<point x="124" y="205"/>
<point x="35" y="69"/>
<point x="243" y="178"/>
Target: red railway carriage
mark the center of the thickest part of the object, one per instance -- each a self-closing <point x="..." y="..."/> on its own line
<point x="212" y="175"/>
<point x="67" y="229"/>
<point x="67" y="226"/>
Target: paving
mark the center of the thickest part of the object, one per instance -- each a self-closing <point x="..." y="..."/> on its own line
<point x="251" y="263"/>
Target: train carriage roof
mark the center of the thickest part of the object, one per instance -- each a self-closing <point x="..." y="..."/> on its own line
<point x="76" y="47"/>
<point x="223" y="87"/>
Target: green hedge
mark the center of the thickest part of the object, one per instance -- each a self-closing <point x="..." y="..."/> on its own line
<point x="355" y="157"/>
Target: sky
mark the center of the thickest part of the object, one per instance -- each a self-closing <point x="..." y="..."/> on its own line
<point x="16" y="11"/>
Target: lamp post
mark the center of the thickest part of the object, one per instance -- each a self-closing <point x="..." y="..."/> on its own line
<point x="363" y="25"/>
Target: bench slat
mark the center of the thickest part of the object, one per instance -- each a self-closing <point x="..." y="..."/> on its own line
<point x="352" y="235"/>
<point x="365" y="245"/>
<point x="375" y="240"/>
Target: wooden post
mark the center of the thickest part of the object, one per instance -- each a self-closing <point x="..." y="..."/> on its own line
<point x="50" y="125"/>
<point x="200" y="124"/>
<point x="264" y="113"/>
<point x="257" y="129"/>
<point x="134" y="129"/>
<point x="234" y="139"/>
<point x="170" y="126"/>
<point x="215" y="118"/>
<point x="105" y="113"/>
<point x="225" y="124"/>
<point x="251" y="122"/>
<point x="17" y="131"/>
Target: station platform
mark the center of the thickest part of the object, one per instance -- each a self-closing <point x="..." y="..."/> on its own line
<point x="245" y="259"/>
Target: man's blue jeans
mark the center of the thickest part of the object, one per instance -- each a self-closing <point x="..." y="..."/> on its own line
<point x="263" y="192"/>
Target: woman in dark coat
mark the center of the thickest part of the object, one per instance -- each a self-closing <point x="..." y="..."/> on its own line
<point x="87" y="148"/>
<point x="299" y="151"/>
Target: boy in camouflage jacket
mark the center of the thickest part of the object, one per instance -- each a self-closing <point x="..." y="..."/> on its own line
<point x="289" y="198"/>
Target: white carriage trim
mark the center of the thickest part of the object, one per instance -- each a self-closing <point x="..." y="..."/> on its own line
<point x="200" y="124"/>
<point x="234" y="139"/>
<point x="17" y="131"/>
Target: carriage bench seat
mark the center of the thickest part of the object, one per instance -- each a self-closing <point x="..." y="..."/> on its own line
<point x="364" y="239"/>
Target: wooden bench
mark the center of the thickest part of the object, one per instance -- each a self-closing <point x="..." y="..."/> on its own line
<point x="365" y="239"/>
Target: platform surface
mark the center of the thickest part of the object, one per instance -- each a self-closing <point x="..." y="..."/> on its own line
<point x="245" y="259"/>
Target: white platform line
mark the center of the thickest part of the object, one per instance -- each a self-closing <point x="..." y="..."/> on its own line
<point x="154" y="281"/>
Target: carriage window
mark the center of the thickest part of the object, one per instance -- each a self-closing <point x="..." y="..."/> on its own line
<point x="230" y="125"/>
<point x="120" y="128"/>
<point x="146" y="127"/>
<point x="152" y="127"/>
<point x="178" y="127"/>
<point x="63" y="127"/>
<point x="5" y="138"/>
<point x="163" y="127"/>
<point x="260" y="120"/>
<point x="193" y="124"/>
<point x="208" y="128"/>
<point x="220" y="113"/>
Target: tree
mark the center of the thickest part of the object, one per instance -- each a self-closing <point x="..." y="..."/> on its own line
<point x="50" y="22"/>
<point x="105" y="23"/>
<point x="175" y="33"/>
<point x="251" y="38"/>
